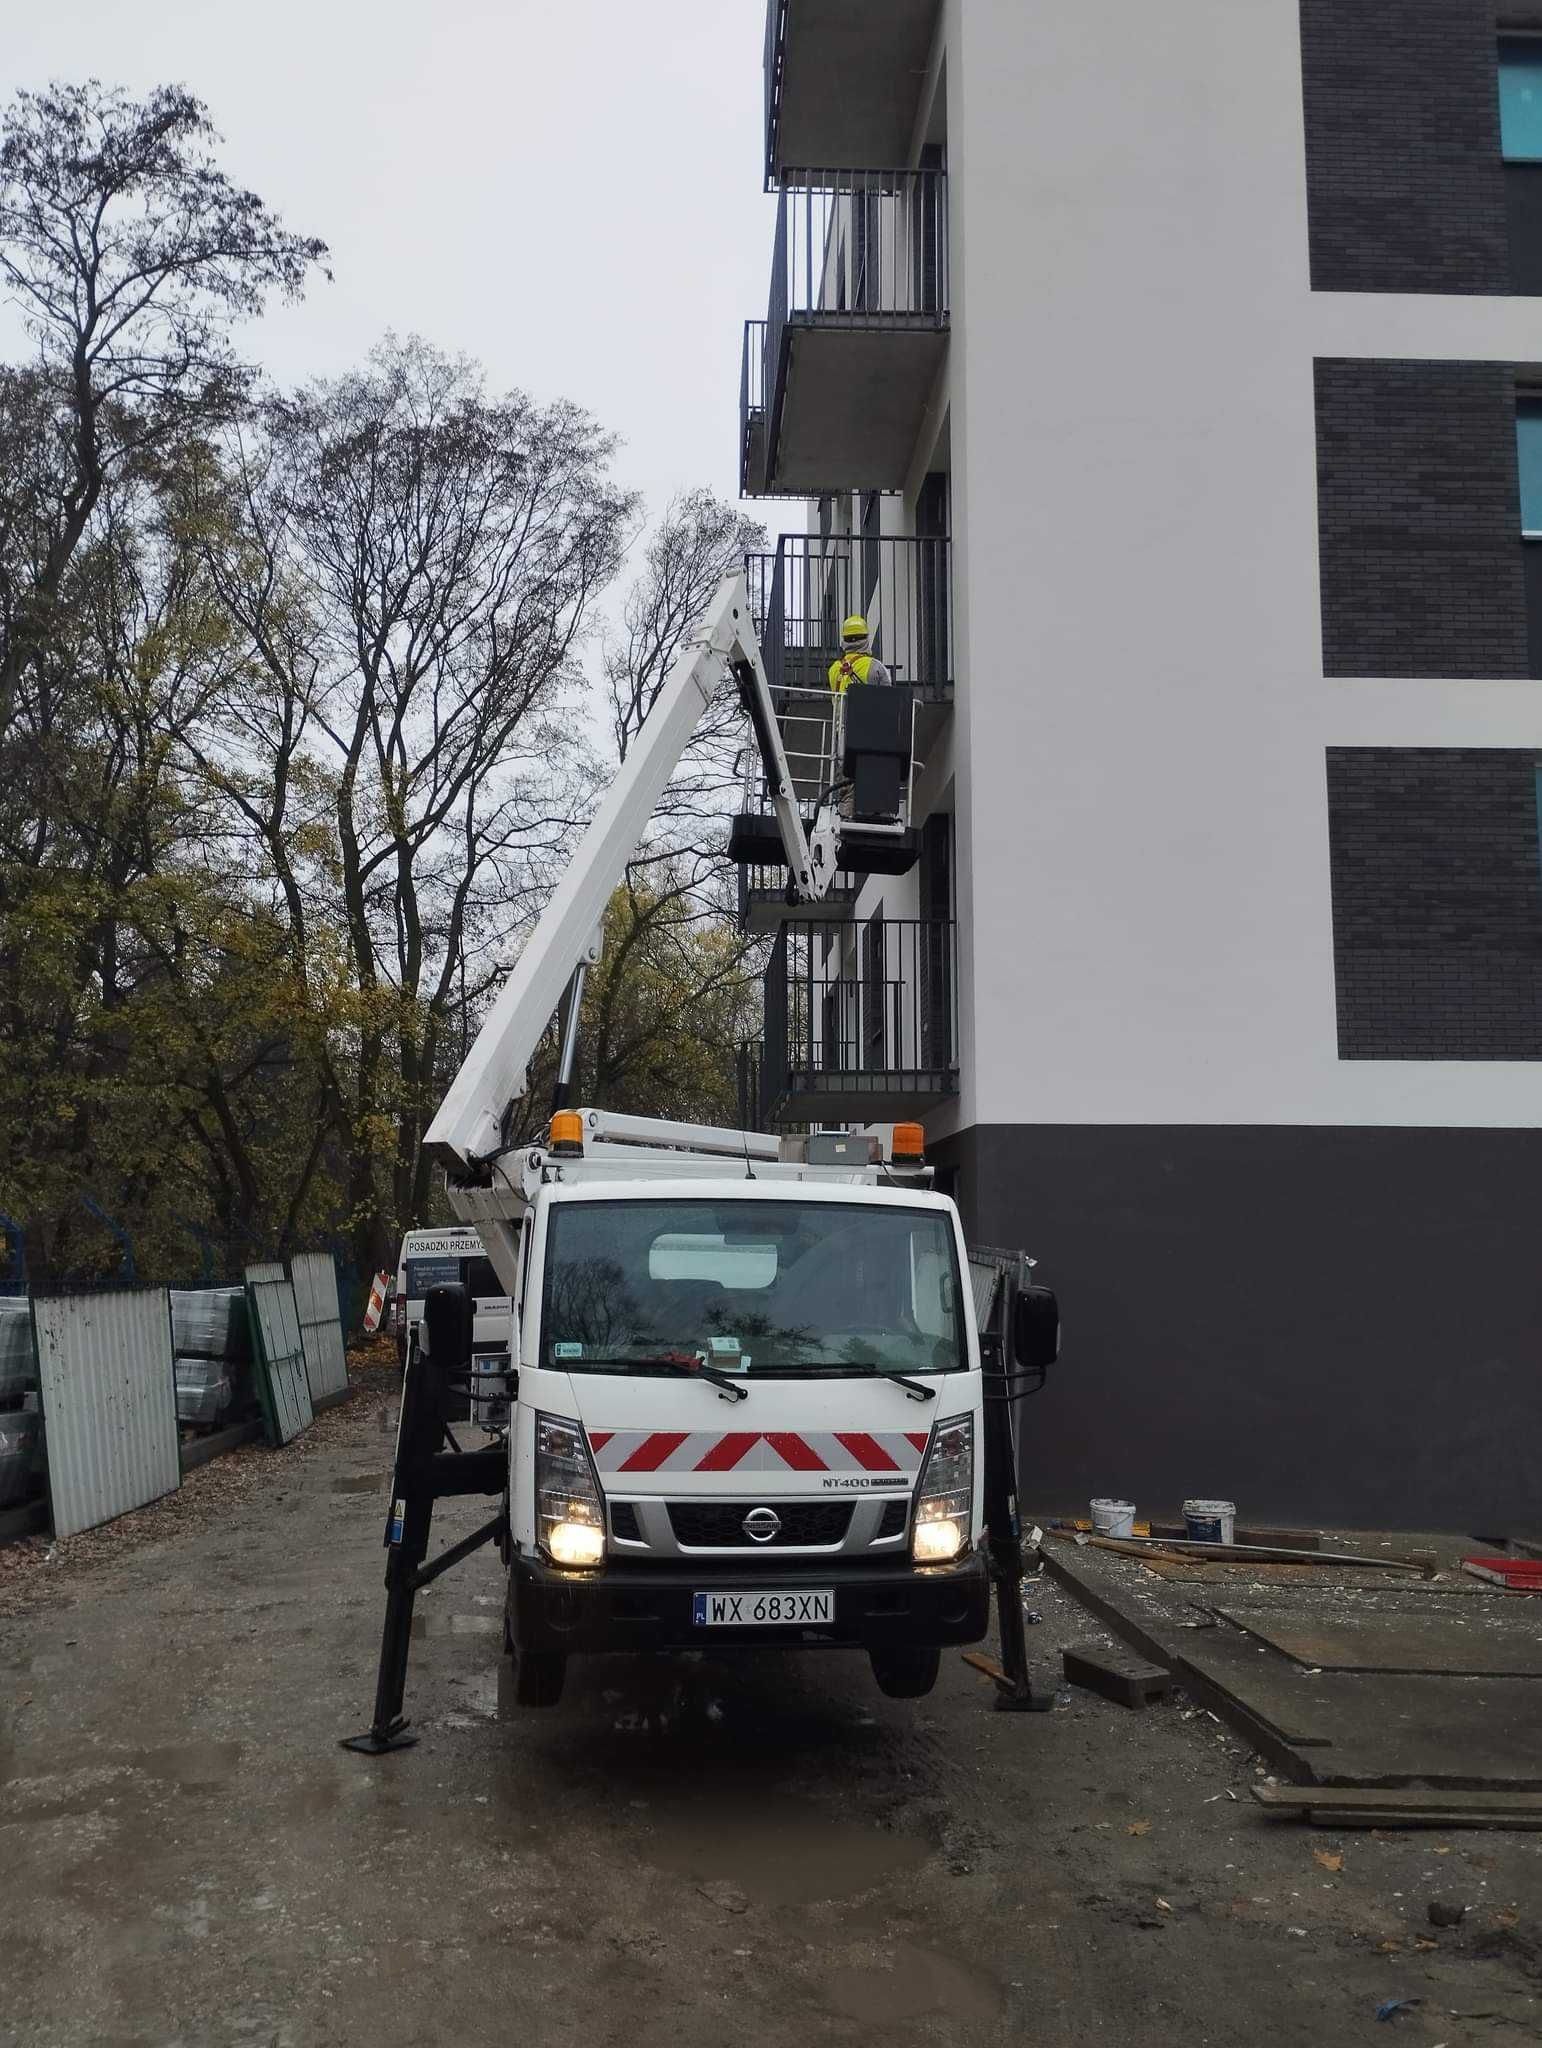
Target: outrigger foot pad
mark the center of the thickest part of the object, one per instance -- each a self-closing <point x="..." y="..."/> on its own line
<point x="398" y="1735"/>
<point x="1011" y="1698"/>
<point x="1025" y="1702"/>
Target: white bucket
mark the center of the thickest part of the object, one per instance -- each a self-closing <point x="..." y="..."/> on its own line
<point x="1113" y="1517"/>
<point x="1210" y="1521"/>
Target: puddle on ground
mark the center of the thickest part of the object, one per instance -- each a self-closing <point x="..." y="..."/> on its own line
<point x="189" y="1763"/>
<point x="82" y="1788"/>
<point x="361" y="1482"/>
<point x="796" y="1855"/>
<point x="914" y="1982"/>
<point x="456" y="1625"/>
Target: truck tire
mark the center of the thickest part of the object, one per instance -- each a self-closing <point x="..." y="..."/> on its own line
<point x="538" y="1674"/>
<point x="538" y="1677"/>
<point x="906" y="1674"/>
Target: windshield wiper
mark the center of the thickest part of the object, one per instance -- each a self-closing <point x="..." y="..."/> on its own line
<point x="730" y="1389"/>
<point x="913" y="1388"/>
<point x="844" y="1368"/>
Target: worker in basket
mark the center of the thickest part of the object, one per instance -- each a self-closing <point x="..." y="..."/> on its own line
<point x="856" y="662"/>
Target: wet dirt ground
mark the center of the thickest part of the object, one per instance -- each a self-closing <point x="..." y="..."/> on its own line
<point x="685" y="1852"/>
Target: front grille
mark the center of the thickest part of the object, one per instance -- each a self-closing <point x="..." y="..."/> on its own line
<point x="623" y="1522"/>
<point x="895" y="1513"/>
<point x="710" y="1525"/>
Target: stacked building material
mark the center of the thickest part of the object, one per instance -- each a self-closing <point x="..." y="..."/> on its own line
<point x="211" y="1337"/>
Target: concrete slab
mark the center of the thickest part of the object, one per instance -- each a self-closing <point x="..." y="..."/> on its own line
<point x="853" y="397"/>
<point x="1455" y="1645"/>
<point x="1319" y="1726"/>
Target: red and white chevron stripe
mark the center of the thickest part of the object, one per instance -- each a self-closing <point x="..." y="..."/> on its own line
<point x="377" y="1301"/>
<point x="753" y="1450"/>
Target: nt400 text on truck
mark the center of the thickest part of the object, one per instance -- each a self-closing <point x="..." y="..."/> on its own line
<point x="760" y="1389"/>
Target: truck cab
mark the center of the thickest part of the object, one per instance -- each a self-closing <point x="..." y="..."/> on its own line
<point x="748" y="1405"/>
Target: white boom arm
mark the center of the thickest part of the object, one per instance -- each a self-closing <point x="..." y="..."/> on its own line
<point x="469" y="1124"/>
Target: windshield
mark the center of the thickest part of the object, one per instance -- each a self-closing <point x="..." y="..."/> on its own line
<point x="750" y="1287"/>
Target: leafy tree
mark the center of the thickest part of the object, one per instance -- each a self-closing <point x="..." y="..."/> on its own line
<point x="154" y="1056"/>
<point x="664" y="1013"/>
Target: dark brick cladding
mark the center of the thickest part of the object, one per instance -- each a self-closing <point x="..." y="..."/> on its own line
<point x="1404" y="180"/>
<point x="1437" y="902"/>
<point x="1418" y="516"/>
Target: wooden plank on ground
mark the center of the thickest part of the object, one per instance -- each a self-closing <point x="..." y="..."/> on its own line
<point x="1404" y="1806"/>
<point x="1276" y="1539"/>
<point x="1413" y="1798"/>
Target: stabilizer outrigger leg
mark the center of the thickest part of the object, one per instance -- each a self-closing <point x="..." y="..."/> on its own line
<point x="424" y="1472"/>
<point x="1005" y="1384"/>
<point x="1015" y="1692"/>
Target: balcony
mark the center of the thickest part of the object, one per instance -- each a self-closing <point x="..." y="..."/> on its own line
<point x="815" y="49"/>
<point x="861" y="1022"/>
<point x="854" y="335"/>
<point x="901" y="585"/>
<point x="763" y="905"/>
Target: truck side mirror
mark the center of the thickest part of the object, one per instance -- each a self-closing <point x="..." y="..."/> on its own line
<point x="1035" y="1329"/>
<point x="447" y="1326"/>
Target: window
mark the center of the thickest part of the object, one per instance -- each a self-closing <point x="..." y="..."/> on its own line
<point x="765" y="1288"/>
<point x="1528" y="457"/>
<point x="1520" y="98"/>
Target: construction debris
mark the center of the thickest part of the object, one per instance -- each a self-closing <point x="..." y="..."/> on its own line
<point x="1406" y="1806"/>
<point x="1173" y="1550"/>
<point x="1127" y="1680"/>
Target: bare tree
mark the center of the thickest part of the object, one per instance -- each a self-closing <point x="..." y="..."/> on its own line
<point x="699" y="540"/>
<point x="129" y="252"/>
<point x="417" y="567"/>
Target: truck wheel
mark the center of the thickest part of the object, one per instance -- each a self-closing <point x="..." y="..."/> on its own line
<point x="538" y="1677"/>
<point x="907" y="1674"/>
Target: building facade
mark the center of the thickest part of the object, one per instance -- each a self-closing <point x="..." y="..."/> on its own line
<point x="1167" y="384"/>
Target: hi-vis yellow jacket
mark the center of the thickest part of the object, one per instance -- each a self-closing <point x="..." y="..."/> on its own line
<point x="852" y="668"/>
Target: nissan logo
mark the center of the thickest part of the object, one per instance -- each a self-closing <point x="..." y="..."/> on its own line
<point x="761" y="1524"/>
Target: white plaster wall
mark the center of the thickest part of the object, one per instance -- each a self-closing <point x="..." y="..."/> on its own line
<point x="1142" y="719"/>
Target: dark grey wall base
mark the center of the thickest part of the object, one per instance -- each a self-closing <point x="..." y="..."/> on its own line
<point x="1329" y="1325"/>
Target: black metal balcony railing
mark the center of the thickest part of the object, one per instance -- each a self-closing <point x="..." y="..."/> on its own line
<point x="775" y="75"/>
<point x="860" y="1020"/>
<point x="752" y="411"/>
<point x="858" y="247"/>
<point x="901" y="585"/>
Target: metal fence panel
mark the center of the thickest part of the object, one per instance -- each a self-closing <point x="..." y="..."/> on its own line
<point x="109" y="1403"/>
<point x="282" y="1386"/>
<point x="314" y="1275"/>
<point x="268" y="1269"/>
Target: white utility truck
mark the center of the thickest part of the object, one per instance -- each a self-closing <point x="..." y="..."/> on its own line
<point x="442" y="1258"/>
<point x="759" y="1388"/>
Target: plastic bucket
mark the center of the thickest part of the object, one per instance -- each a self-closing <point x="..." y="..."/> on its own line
<point x="1210" y="1521"/>
<point x="1113" y="1517"/>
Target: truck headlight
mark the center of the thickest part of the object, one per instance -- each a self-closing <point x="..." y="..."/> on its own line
<point x="946" y="1494"/>
<point x="570" y="1515"/>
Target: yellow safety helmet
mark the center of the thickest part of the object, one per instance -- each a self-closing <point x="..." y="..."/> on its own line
<point x="853" y="629"/>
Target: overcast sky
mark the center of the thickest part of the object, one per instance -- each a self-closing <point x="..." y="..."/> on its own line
<point x="570" y="192"/>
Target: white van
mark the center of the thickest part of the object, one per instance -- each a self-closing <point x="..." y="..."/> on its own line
<point x="434" y="1258"/>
